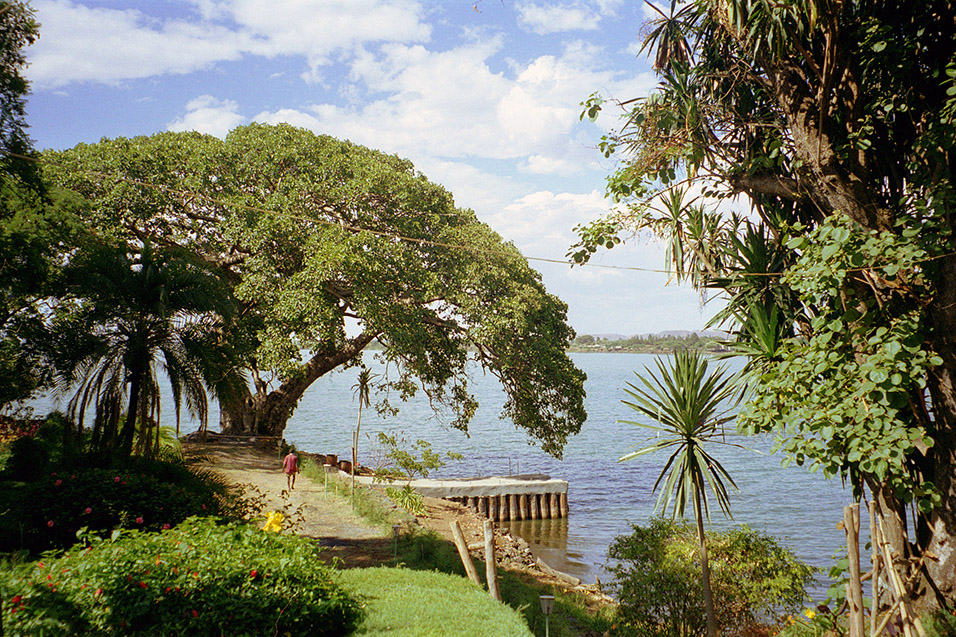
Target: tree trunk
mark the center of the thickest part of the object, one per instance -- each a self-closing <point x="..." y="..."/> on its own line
<point x="705" y="566"/>
<point x="267" y="412"/>
<point x="125" y="442"/>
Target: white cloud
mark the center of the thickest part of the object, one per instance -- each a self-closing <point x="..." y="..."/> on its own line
<point x="556" y="18"/>
<point x="84" y="44"/>
<point x="81" y="44"/>
<point x="206" y="114"/>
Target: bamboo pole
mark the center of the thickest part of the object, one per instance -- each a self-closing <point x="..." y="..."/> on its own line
<point x="851" y="519"/>
<point x="463" y="552"/>
<point x="875" y="561"/>
<point x="491" y="572"/>
<point x="909" y="619"/>
<point x="878" y="629"/>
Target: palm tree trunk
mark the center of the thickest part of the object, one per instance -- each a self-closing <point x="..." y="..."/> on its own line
<point x="704" y="566"/>
<point x="129" y="425"/>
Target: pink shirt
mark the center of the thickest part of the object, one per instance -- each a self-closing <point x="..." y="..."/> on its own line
<point x="290" y="464"/>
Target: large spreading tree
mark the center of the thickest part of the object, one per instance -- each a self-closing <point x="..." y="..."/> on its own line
<point x="330" y="246"/>
<point x="835" y="120"/>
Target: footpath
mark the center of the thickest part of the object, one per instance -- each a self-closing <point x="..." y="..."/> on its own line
<point x="353" y="542"/>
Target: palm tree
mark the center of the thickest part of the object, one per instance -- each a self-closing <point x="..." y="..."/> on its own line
<point x="363" y="389"/>
<point x="691" y="406"/>
<point x="158" y="312"/>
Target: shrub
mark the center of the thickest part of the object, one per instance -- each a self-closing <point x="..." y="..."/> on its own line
<point x="147" y="495"/>
<point x="656" y="575"/>
<point x="201" y="578"/>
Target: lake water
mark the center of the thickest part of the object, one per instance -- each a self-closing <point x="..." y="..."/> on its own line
<point x="605" y="497"/>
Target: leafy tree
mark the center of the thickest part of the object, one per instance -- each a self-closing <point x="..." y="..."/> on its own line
<point x="836" y="121"/>
<point x="161" y="311"/>
<point x="330" y="246"/>
<point x="35" y="227"/>
<point x="657" y="579"/>
<point x="687" y="402"/>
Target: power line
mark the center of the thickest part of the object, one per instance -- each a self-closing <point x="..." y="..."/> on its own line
<point x="391" y="235"/>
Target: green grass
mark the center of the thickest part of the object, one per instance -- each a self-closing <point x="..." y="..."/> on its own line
<point x="375" y="507"/>
<point x="421" y="550"/>
<point x="405" y="603"/>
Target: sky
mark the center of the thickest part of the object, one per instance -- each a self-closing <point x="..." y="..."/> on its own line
<point x="484" y="98"/>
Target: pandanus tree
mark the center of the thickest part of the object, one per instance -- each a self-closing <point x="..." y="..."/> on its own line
<point x="690" y="406"/>
<point x="836" y="123"/>
<point x="142" y="314"/>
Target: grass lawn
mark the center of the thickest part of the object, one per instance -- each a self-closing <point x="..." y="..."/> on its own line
<point x="405" y="603"/>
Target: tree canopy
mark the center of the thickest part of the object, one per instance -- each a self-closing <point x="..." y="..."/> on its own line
<point x="328" y="246"/>
<point x="835" y="121"/>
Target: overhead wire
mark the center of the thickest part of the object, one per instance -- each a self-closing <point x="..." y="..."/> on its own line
<point x="390" y="235"/>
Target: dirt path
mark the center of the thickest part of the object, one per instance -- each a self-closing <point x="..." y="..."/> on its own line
<point x="345" y="536"/>
<point x="312" y="510"/>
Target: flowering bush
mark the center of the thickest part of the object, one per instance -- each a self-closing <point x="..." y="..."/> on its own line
<point x="48" y="512"/>
<point x="203" y="577"/>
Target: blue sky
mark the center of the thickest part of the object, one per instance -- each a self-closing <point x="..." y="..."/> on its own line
<point x="483" y="98"/>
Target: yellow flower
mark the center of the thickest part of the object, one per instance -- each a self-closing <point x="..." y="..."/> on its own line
<point x="274" y="522"/>
<point x="809" y="613"/>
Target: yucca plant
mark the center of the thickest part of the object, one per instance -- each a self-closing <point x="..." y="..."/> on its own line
<point x="691" y="407"/>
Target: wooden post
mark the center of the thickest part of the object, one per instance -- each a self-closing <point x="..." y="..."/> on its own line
<point x="463" y="552"/>
<point x="354" y="447"/>
<point x="545" y="509"/>
<point x="910" y="620"/>
<point x="513" y="501"/>
<point x="523" y="510"/>
<point x="875" y="561"/>
<point x="502" y="508"/>
<point x="483" y="506"/>
<point x="535" y="514"/>
<point x="564" y="504"/>
<point x="492" y="507"/>
<point x="472" y="503"/>
<point x="491" y="572"/>
<point x="555" y="506"/>
<point x="851" y="523"/>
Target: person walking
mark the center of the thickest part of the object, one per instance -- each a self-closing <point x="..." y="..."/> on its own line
<point x="290" y="465"/>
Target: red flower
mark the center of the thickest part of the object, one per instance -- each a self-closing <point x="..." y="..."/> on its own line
<point x="166" y="526"/>
<point x="195" y="614"/>
<point x="16" y="599"/>
<point x="139" y="520"/>
<point x="49" y="523"/>
<point x="57" y="483"/>
<point x="142" y="584"/>
<point x="40" y="564"/>
<point x="98" y="592"/>
<point x="88" y="510"/>
<point x="252" y="573"/>
<point x="116" y="479"/>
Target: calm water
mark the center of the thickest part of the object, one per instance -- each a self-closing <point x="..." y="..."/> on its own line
<point x="605" y="497"/>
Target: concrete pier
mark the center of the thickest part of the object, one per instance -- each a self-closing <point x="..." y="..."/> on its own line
<point x="501" y="498"/>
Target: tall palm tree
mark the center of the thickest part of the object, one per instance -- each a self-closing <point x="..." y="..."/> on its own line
<point x="691" y="407"/>
<point x="362" y="391"/>
<point x="157" y="311"/>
